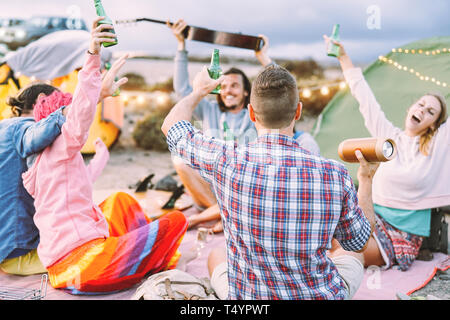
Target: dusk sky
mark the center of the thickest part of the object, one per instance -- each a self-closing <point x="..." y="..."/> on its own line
<point x="295" y="28"/>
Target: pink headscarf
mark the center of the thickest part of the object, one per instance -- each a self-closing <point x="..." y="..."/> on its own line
<point x="47" y="104"/>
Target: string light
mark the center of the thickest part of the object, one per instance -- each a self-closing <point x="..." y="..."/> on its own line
<point x="420" y="51"/>
<point x="140" y="99"/>
<point x="306" y="93"/>
<point x="324" y="89"/>
<point x="162" y="99"/>
<point x="411" y="70"/>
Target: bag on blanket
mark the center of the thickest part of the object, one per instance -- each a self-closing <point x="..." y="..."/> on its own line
<point x="438" y="239"/>
<point x="174" y="285"/>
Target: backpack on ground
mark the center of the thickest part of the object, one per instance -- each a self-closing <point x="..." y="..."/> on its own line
<point x="438" y="239"/>
<point x="174" y="285"/>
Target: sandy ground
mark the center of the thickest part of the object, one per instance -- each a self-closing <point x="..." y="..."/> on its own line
<point x="128" y="164"/>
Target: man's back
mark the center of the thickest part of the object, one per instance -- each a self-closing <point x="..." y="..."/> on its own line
<point x="281" y="207"/>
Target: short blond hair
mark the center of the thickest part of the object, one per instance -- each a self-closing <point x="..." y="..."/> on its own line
<point x="274" y="97"/>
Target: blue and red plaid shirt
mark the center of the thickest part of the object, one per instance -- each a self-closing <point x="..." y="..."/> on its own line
<point x="280" y="206"/>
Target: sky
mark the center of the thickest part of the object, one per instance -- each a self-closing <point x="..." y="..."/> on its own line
<point x="369" y="28"/>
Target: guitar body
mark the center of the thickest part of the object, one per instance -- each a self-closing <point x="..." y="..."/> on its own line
<point x="224" y="38"/>
<point x="229" y="39"/>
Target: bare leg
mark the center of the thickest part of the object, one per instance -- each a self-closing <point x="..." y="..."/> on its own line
<point x="218" y="227"/>
<point x="217" y="268"/>
<point x="201" y="194"/>
<point x="212" y="213"/>
<point x="195" y="185"/>
<point x="371" y="256"/>
<point x="337" y="250"/>
<point x="216" y="257"/>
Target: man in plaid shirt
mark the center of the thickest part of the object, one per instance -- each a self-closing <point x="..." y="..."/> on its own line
<point x="281" y="206"/>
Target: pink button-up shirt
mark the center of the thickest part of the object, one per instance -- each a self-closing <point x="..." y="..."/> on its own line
<point x="61" y="183"/>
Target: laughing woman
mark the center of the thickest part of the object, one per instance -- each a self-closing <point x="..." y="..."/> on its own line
<point x="90" y="249"/>
<point x="406" y="188"/>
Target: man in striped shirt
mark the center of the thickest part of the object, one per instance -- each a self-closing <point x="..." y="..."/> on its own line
<point x="281" y="206"/>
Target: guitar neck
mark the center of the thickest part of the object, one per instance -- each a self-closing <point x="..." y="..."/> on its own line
<point x="152" y="20"/>
<point x="141" y="20"/>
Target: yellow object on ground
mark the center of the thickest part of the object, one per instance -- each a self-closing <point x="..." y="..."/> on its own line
<point x="24" y="265"/>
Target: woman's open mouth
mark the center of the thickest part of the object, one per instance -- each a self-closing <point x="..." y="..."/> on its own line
<point x="416" y="119"/>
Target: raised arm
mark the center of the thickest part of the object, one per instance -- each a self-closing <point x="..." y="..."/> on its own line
<point x="366" y="171"/>
<point x="344" y="60"/>
<point x="181" y="83"/>
<point x="183" y="110"/>
<point x="181" y="74"/>
<point x="186" y="142"/>
<point x="374" y="118"/>
<point x="177" y="30"/>
<point x="262" y="54"/>
<point x="358" y="216"/>
<point x="89" y="88"/>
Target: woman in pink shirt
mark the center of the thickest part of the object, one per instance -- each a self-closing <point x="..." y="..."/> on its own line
<point x="90" y="249"/>
<point x="406" y="188"/>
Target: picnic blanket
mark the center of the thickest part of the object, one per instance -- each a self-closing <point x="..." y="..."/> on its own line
<point x="377" y="284"/>
<point x="381" y="284"/>
<point x="197" y="267"/>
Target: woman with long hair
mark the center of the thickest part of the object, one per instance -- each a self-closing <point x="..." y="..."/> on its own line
<point x="406" y="188"/>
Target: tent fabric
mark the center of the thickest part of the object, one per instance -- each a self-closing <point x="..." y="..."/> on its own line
<point x="395" y="89"/>
<point x="54" y="55"/>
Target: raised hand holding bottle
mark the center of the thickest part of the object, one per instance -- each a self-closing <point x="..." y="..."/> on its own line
<point x="102" y="13"/>
<point x="333" y="49"/>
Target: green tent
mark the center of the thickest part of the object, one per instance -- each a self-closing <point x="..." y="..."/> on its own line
<point x="397" y="80"/>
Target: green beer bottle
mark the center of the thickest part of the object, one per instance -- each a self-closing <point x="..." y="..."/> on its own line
<point x="214" y="70"/>
<point x="101" y="13"/>
<point x="227" y="134"/>
<point x="117" y="92"/>
<point x="333" y="49"/>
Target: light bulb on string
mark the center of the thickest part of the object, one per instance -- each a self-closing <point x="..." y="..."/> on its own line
<point x="412" y="71"/>
<point x="306" y="93"/>
<point x="324" y="90"/>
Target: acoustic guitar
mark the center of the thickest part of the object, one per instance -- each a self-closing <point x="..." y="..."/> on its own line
<point x="237" y="40"/>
